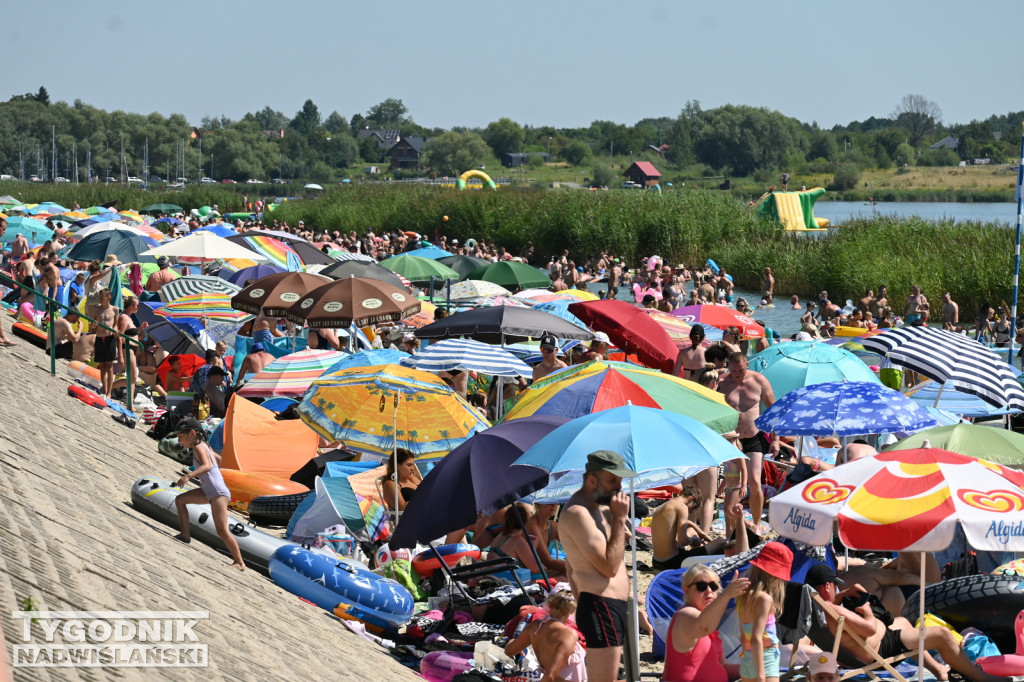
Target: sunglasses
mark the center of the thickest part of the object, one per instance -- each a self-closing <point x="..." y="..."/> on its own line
<point x="703" y="586"/>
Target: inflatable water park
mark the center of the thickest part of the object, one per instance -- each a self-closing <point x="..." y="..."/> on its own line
<point x="795" y="210"/>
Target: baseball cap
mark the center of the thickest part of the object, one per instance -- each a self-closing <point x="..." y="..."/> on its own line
<point x="258" y="347"/>
<point x="775" y="559"/>
<point x="607" y="460"/>
<point x="819" y="574"/>
<point x="162" y="261"/>
<point x="548" y="341"/>
<point x="825" y="662"/>
<point x="601" y="337"/>
<point x="804" y="336"/>
<point x="189" y="424"/>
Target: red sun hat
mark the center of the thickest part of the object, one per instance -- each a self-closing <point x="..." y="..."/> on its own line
<point x="775" y="559"/>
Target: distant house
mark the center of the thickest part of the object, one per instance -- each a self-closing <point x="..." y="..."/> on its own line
<point x="513" y="159"/>
<point x="406" y="153"/>
<point x="642" y="173"/>
<point x="386" y="139"/>
<point x="948" y="142"/>
<point x="274" y="134"/>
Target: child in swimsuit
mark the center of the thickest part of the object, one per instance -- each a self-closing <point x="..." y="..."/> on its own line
<point x="555" y="641"/>
<point x="734" y="483"/>
<point x="757" y="610"/>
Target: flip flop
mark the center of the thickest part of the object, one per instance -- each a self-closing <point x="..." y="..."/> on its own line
<point x="7" y="343"/>
<point x="179" y="538"/>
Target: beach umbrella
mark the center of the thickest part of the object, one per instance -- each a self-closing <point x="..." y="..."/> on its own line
<point x="219" y="229"/>
<point x="49" y="207"/>
<point x="432" y="252"/>
<point x="168" y="221"/>
<point x="205" y="246"/>
<point x="490" y="301"/>
<point x="793" y="365"/>
<point x="501" y="325"/>
<point x="537" y="295"/>
<point x="189" y="364"/>
<point x="720" y="316"/>
<point x="425" y="316"/>
<point x="348" y="255"/>
<point x="471" y="289"/>
<point x="578" y="295"/>
<point x="35" y="231"/>
<point x="312" y="185"/>
<point x="195" y="284"/>
<point x="162" y="208"/>
<point x="344" y="302"/>
<point x="291" y="375"/>
<point x="679" y="331"/>
<point x="420" y="412"/>
<point x="929" y="393"/>
<point x="272" y="250"/>
<point x="254" y="272"/>
<point x="462" y="264"/>
<point x="512" y="275"/>
<point x="985" y="442"/>
<point x="470" y="356"/>
<point x="173" y="339"/>
<point x="275" y="294"/>
<point x="954" y="360"/>
<point x="631" y="330"/>
<point x="597" y="385"/>
<point x="477" y="477"/>
<point x="906" y="500"/>
<point x="127" y="246"/>
<point x="8" y="200"/>
<point x="212" y="306"/>
<point x="560" y="308"/>
<point x="364" y="269"/>
<point x="844" y="408"/>
<point x="417" y="269"/>
<point x="369" y="358"/>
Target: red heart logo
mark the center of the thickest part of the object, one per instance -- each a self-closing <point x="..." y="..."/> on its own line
<point x="826" y="491"/>
<point x="999" y="501"/>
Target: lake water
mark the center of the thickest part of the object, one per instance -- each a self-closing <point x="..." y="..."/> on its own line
<point x="840" y="211"/>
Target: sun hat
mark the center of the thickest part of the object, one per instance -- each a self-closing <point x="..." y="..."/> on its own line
<point x="607" y="460"/>
<point x="775" y="559"/>
<point x="112" y="260"/>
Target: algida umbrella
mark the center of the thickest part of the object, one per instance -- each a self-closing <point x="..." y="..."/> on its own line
<point x="275" y="294"/>
<point x="353" y="301"/>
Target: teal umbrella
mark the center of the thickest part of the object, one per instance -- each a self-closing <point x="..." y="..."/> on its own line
<point x="512" y="275"/>
<point x="793" y="365"/>
<point x="416" y="269"/>
<point x="162" y="208"/>
<point x="34" y="230"/>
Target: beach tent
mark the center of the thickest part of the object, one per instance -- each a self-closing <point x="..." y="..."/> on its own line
<point x="257" y="443"/>
<point x="336" y="499"/>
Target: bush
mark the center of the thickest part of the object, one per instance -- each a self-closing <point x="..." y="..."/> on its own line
<point x="938" y="157"/>
<point x="821" y="165"/>
<point x="847" y="176"/>
<point x="602" y="177"/>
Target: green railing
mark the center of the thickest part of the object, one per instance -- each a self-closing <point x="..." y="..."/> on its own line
<point x="51" y="307"/>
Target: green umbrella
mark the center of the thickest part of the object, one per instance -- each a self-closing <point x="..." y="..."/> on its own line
<point x="162" y="208"/>
<point x="416" y="269"/>
<point x="986" y="442"/>
<point x="512" y="275"/>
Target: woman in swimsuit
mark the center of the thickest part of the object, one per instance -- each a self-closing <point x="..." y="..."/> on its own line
<point x="206" y="469"/>
<point x="690" y="361"/>
<point x="757" y="611"/>
<point x="409" y="479"/>
<point x="511" y="542"/>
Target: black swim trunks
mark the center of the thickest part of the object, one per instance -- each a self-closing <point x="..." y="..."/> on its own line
<point x="677" y="560"/>
<point x="106" y="348"/>
<point x="65" y="351"/>
<point x="758" y="443"/>
<point x="891" y="644"/>
<point x="601" y="620"/>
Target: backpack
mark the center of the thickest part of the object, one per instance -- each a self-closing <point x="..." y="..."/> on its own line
<point x="165" y="424"/>
<point x="966" y="565"/>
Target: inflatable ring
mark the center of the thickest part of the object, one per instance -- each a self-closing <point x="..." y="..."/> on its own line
<point x="470" y="243"/>
<point x="426" y="562"/>
<point x="87" y="396"/>
<point x="245" y="487"/>
<point x="275" y="509"/>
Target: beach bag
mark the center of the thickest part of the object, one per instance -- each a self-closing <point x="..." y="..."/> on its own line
<point x="966" y="565"/>
<point x="978" y="646"/>
<point x="400" y="570"/>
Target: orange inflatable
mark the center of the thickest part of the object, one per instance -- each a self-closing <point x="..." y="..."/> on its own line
<point x="246" y="487"/>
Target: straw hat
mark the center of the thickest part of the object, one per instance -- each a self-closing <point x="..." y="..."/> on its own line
<point x="112" y="260"/>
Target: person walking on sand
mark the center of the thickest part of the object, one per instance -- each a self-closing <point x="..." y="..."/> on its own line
<point x="212" y="488"/>
<point x="593" y="529"/>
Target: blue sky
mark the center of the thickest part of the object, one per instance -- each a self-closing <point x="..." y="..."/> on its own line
<point x="561" y="62"/>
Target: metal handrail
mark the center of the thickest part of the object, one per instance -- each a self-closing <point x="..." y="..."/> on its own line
<point x="50" y="309"/>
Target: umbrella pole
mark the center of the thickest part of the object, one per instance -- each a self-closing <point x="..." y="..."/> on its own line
<point x="920" y="626"/>
<point x="526" y="534"/>
<point x="633" y="657"/>
<point x="939" y="395"/>
<point x="394" y="456"/>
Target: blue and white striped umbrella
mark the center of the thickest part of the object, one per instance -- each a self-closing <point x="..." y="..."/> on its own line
<point x="560" y="309"/>
<point x="348" y="255"/>
<point x="196" y="284"/>
<point x="470" y="356"/>
<point x="953" y="359"/>
<point x="844" y="408"/>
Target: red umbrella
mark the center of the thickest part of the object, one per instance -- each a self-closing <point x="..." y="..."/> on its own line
<point x="721" y="317"/>
<point x="189" y="364"/>
<point x="631" y="329"/>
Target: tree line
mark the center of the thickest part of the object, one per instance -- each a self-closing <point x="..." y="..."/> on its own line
<point x="50" y="139"/>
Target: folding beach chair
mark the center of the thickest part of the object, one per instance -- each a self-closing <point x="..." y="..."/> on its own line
<point x="818" y="632"/>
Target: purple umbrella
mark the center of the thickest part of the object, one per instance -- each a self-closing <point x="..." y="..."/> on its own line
<point x="239" y="277"/>
<point x="477" y="476"/>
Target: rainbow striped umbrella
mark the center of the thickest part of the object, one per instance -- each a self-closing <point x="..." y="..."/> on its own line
<point x="274" y="250"/>
<point x="208" y="305"/>
<point x="291" y="375"/>
<point x="595" y="386"/>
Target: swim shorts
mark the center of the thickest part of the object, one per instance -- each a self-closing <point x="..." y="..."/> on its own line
<point x="602" y="620"/>
<point x="676" y="560"/>
<point x="65" y="351"/>
<point x="891" y="644"/>
<point x="772" y="654"/>
<point x="758" y="443"/>
<point x="911" y="319"/>
<point x="106" y="348"/>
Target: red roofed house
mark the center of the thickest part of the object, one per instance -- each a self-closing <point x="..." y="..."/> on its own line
<point x="643" y="173"/>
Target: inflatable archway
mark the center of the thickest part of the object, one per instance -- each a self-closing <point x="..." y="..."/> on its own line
<point x="461" y="182"/>
<point x="795" y="210"/>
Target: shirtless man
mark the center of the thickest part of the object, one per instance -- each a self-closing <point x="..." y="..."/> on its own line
<point x="745" y="390"/>
<point x="950" y="312"/>
<point x="675" y="537"/>
<point x="724" y="286"/>
<point x="557" y="284"/>
<point x="705" y="291"/>
<point x="898" y="638"/>
<point x="593" y="530"/>
<point x="66" y="334"/>
<point x="808" y="317"/>
<point x="106" y="351"/>
<point x="49" y="277"/>
<point x="614" y="277"/>
<point x="866" y="304"/>
<point x="550" y="364"/>
<point x="912" y="309"/>
<point x="768" y="288"/>
<point x="690" y="361"/>
<point x="880" y="306"/>
<point x="255" y="361"/>
<point x="19" y="247"/>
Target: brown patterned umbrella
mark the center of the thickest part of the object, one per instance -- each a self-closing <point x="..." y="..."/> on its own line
<point x="353" y="300"/>
<point x="276" y="293"/>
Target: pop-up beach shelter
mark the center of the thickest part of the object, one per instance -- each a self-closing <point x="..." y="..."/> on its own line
<point x="257" y="443"/>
